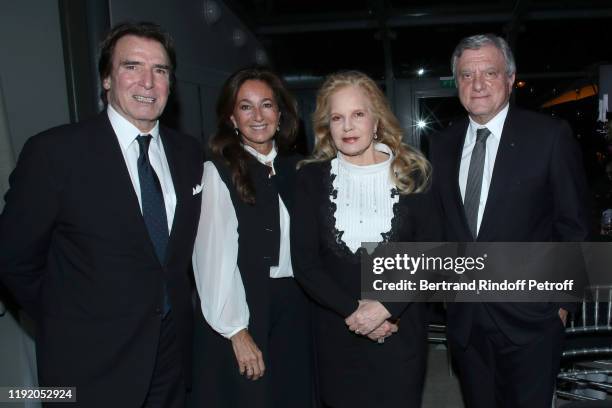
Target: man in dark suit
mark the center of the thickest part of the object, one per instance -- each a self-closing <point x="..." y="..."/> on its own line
<point x="97" y="234"/>
<point x="505" y="174"/>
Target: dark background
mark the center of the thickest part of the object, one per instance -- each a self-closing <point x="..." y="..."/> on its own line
<point x="559" y="47"/>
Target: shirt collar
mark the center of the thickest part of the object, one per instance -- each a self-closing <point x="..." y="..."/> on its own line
<point x="495" y="125"/>
<point x="262" y="158"/>
<point x="126" y="132"/>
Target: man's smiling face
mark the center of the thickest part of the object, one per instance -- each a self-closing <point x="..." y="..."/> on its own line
<point x="139" y="82"/>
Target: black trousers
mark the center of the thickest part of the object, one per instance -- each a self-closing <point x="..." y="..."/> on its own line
<point x="495" y="373"/>
<point x="287" y="348"/>
<point x="167" y="389"/>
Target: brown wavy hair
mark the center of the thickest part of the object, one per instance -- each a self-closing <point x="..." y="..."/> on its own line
<point x="410" y="170"/>
<point x="227" y="146"/>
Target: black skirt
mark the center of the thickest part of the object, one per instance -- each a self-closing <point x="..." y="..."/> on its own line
<point x="355" y="371"/>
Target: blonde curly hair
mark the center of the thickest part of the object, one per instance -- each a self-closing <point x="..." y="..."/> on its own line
<point x="410" y="170"/>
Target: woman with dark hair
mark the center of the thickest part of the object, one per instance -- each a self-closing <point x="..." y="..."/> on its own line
<point x="362" y="184"/>
<point x="256" y="347"/>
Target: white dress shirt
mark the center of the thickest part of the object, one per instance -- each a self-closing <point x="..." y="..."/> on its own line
<point x="495" y="126"/>
<point x="364" y="206"/>
<point x="215" y="256"/>
<point x="126" y="135"/>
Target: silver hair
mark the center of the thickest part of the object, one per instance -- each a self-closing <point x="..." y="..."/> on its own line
<point x="476" y="42"/>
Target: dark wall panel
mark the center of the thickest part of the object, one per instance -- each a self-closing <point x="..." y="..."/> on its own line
<point x="206" y="54"/>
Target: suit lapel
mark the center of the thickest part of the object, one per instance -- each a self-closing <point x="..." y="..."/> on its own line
<point x="112" y="164"/>
<point x="112" y="160"/>
<point x="455" y="151"/>
<point x="171" y="149"/>
<point x="508" y="156"/>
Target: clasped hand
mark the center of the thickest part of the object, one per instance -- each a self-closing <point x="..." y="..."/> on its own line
<point x="370" y="319"/>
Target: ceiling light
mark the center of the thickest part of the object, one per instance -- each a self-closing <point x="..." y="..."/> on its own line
<point x="212" y="12"/>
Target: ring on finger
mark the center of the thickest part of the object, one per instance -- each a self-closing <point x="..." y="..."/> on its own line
<point x="381" y="340"/>
<point x="357" y="331"/>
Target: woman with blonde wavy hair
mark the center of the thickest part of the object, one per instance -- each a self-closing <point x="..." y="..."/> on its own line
<point x="361" y="184"/>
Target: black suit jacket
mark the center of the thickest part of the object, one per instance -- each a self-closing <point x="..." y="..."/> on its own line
<point x="538" y="193"/>
<point x="75" y="252"/>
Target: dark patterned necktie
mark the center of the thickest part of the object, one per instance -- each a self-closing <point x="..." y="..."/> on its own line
<point x="474" y="180"/>
<point x="153" y="207"/>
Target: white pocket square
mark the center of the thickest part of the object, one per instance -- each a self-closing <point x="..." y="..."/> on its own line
<point x="197" y="189"/>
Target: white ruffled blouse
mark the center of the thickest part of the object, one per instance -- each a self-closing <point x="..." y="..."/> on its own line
<point x="364" y="199"/>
